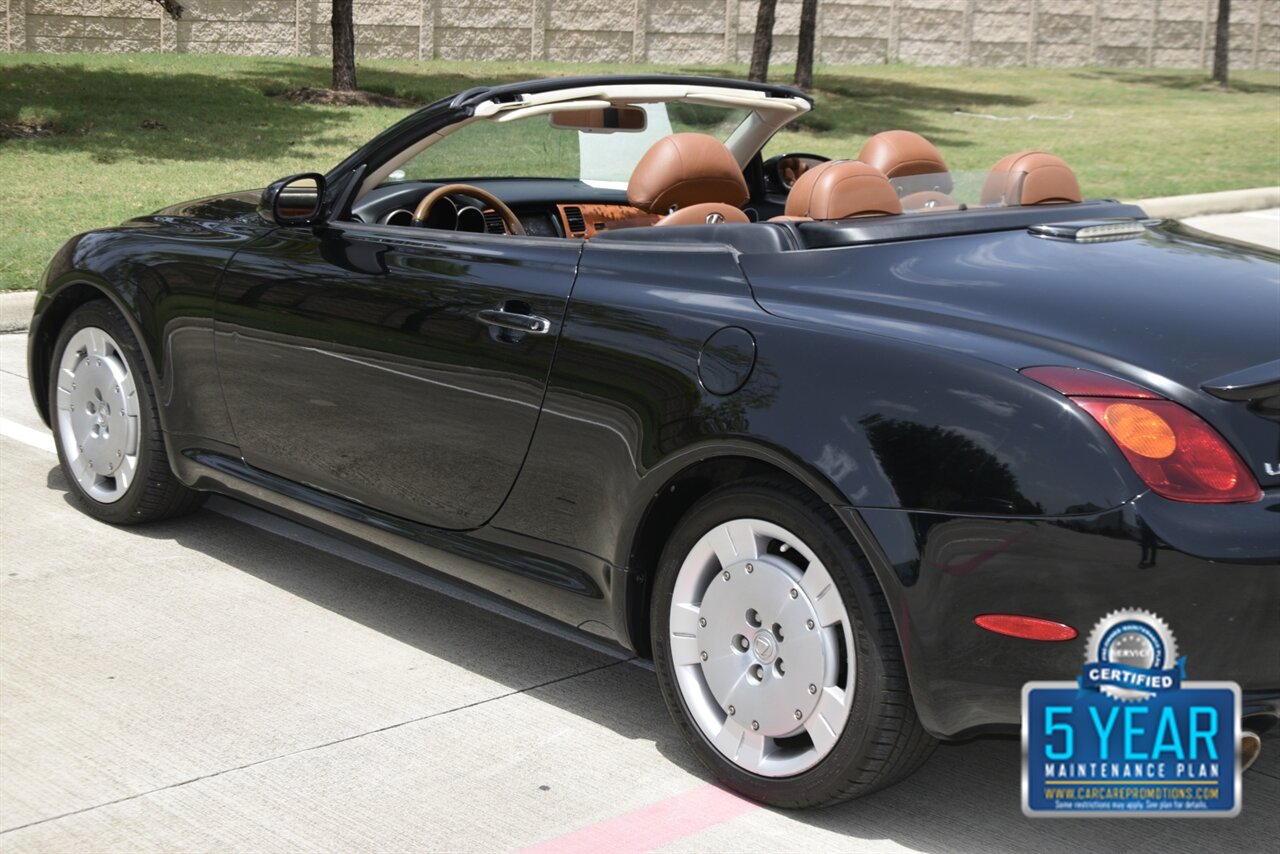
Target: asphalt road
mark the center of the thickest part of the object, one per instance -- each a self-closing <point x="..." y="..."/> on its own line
<point x="230" y="681"/>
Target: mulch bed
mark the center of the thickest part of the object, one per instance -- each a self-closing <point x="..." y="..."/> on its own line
<point x="28" y="128"/>
<point x="335" y="98"/>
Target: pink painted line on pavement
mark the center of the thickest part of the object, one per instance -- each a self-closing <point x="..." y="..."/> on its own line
<point x="651" y="826"/>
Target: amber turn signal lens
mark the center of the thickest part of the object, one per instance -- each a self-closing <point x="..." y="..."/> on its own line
<point x="1140" y="430"/>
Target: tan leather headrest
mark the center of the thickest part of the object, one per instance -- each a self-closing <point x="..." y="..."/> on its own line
<point x="708" y="213"/>
<point x="901" y="153"/>
<point x="686" y="169"/>
<point x="1031" y="178"/>
<point x="839" y="189"/>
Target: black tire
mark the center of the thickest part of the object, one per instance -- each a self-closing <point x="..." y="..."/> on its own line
<point x="883" y="741"/>
<point x="155" y="493"/>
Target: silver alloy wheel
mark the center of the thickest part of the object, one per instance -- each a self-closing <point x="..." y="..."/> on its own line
<point x="762" y="647"/>
<point x="97" y="402"/>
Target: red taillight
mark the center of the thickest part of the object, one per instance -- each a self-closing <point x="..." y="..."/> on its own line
<point x="1171" y="448"/>
<point x="1030" y="628"/>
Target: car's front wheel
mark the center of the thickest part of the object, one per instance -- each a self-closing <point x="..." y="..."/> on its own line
<point x="105" y="424"/>
<point x="776" y="653"/>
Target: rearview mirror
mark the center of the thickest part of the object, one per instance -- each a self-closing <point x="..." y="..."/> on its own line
<point x="295" y="200"/>
<point x="602" y="120"/>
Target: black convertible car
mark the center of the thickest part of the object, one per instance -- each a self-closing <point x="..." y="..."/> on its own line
<point x="853" y="448"/>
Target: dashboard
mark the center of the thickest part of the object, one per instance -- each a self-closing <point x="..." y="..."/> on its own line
<point x="546" y="207"/>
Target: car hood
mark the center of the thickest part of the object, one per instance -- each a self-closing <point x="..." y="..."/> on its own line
<point x="1172" y="309"/>
<point x="221" y="207"/>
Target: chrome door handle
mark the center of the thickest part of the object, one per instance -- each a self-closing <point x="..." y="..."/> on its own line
<point x="530" y="323"/>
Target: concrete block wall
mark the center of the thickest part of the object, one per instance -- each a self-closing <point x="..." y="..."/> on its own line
<point x="685" y="31"/>
<point x="482" y="29"/>
<point x="255" y="27"/>
<point x="51" y="26"/>
<point x="578" y="32"/>
<point x="1162" y="33"/>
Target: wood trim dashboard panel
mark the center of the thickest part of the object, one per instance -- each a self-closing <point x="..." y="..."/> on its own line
<point x="588" y="220"/>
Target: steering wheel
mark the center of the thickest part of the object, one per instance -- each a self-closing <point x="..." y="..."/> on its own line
<point x="509" y="219"/>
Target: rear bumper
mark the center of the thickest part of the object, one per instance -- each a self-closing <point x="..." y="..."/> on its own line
<point x="1211" y="572"/>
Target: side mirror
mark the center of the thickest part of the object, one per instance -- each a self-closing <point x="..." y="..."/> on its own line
<point x="295" y="200"/>
<point x="781" y="172"/>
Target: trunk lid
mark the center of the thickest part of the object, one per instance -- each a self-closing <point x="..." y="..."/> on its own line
<point x="1172" y="309"/>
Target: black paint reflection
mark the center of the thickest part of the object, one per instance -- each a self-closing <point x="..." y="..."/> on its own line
<point x="938" y="468"/>
<point x="353" y="362"/>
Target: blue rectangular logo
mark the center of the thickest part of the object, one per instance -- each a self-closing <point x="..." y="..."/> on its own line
<point x="1176" y="753"/>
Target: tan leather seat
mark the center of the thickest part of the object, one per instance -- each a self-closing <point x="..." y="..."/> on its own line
<point x="1031" y="178"/>
<point x="841" y="189"/>
<point x="903" y="156"/>
<point x="689" y="178"/>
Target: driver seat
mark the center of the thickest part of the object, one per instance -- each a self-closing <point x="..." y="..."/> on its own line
<point x="689" y="179"/>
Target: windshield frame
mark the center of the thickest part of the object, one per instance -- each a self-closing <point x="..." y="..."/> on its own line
<point x="770" y="107"/>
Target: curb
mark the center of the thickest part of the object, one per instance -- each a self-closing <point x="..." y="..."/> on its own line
<point x="1200" y="204"/>
<point x="15" y="310"/>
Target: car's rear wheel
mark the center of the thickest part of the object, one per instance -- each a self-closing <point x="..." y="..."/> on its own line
<point x="776" y="653"/>
<point x="105" y="424"/>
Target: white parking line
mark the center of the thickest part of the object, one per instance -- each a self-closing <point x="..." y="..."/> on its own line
<point x="26" y="435"/>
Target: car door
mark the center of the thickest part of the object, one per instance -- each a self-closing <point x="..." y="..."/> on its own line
<point x="396" y="367"/>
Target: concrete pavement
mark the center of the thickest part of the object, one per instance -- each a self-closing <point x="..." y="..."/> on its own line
<point x="231" y="681"/>
<point x="15" y="310"/>
<point x="1260" y="227"/>
<point x="1201" y="204"/>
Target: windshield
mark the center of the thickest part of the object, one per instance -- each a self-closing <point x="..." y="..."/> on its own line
<point x="942" y="189"/>
<point x="534" y="148"/>
<point x="970" y="190"/>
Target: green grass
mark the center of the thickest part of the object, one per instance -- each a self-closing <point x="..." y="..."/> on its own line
<point x="1132" y="133"/>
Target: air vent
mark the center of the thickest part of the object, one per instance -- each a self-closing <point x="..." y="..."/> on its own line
<point x="574" y="219"/>
<point x="493" y="223"/>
